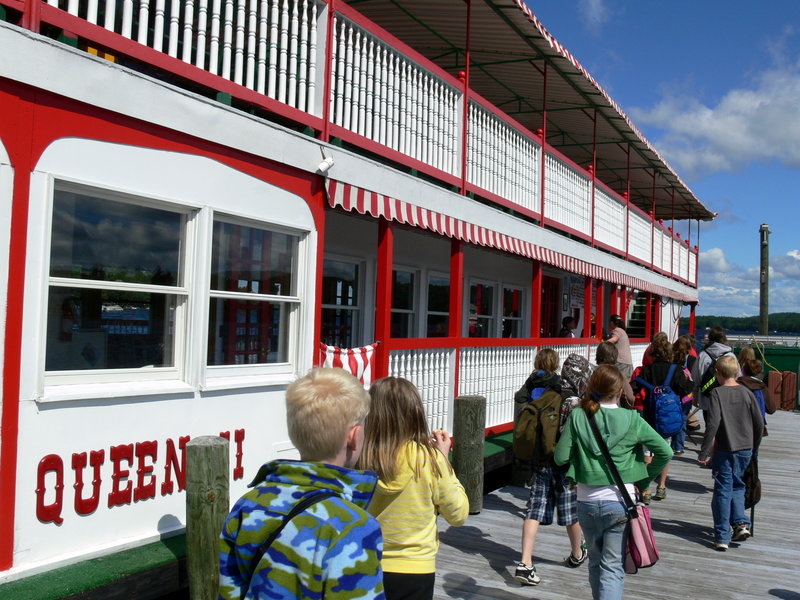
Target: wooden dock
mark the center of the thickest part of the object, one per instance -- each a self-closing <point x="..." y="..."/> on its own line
<point x="477" y="560"/>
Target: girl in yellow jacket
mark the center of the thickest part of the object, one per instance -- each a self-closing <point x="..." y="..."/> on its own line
<point x="416" y="483"/>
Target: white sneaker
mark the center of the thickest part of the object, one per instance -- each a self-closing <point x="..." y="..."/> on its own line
<point x="526" y="575"/>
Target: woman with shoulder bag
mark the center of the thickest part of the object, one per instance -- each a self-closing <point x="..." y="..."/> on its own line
<point x="601" y="508"/>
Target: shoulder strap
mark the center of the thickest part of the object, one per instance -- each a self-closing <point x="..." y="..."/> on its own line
<point x="296" y="510"/>
<point x="629" y="504"/>
<point x="670" y="374"/>
<point x="645" y="383"/>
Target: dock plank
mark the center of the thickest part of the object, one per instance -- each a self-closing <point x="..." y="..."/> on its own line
<point x="476" y="561"/>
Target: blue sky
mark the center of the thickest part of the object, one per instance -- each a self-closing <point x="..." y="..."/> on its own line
<point x="715" y="87"/>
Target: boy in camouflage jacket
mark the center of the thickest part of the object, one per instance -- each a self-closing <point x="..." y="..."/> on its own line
<point x="331" y="550"/>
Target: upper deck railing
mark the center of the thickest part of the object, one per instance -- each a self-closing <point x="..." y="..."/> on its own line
<point x="345" y="77"/>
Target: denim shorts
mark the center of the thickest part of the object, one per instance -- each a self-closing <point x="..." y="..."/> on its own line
<point x="550" y="490"/>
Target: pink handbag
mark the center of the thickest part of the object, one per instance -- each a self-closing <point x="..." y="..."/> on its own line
<point x="641" y="550"/>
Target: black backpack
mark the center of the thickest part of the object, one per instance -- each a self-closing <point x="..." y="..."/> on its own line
<point x="708" y="379"/>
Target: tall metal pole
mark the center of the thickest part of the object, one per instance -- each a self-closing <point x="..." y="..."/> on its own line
<point x="764" y="304"/>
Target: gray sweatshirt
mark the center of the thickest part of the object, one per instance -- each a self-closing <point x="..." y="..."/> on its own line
<point x="734" y="421"/>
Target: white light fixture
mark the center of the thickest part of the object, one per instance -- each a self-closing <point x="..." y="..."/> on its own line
<point x="326" y="164"/>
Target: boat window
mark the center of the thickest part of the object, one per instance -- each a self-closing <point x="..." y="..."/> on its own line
<point x="115" y="287"/>
<point x="481" y="310"/>
<point x="252" y="294"/>
<point x="438" y="306"/>
<point x="341" y="311"/>
<point x="403" y="304"/>
<point x="512" y="312"/>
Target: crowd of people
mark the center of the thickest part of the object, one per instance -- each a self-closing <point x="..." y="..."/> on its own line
<point x="661" y="394"/>
<point x="356" y="516"/>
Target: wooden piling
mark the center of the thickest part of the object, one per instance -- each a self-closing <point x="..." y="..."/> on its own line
<point x="207" y="505"/>
<point x="469" y="423"/>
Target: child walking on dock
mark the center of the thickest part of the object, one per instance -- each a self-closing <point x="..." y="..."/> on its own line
<point x="734" y="429"/>
<point x="549" y="487"/>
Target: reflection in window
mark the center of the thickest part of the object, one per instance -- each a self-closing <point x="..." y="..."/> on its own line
<point x="438" y="306"/>
<point x="108" y="329"/>
<point x="481" y="310"/>
<point x="94" y="238"/>
<point x="341" y="313"/>
<point x="99" y="246"/>
<point x="512" y="313"/>
<point x="402" y="325"/>
<point x="250" y="332"/>
<point x="248" y="262"/>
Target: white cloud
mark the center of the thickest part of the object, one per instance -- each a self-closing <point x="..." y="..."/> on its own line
<point x="593" y="13"/>
<point x="727" y="288"/>
<point x="749" y="124"/>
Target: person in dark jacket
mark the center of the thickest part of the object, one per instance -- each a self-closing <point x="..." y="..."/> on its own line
<point x="752" y="370"/>
<point x="682" y="357"/>
<point x="656" y="374"/>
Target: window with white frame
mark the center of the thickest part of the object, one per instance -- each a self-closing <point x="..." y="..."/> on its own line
<point x="122" y="275"/>
<point x="117" y="288"/>
<point x="253" y="281"/>
<point x="512" y="321"/>
<point x="341" y="309"/>
<point x="403" y="303"/>
<point x="495" y="315"/>
<point x="438" y="315"/>
<point x="481" y="316"/>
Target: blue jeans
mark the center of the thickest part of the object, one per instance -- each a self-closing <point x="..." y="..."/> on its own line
<point x="727" y="503"/>
<point x="679" y="439"/>
<point x="605" y="528"/>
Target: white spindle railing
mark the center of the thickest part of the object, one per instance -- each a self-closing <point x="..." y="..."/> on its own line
<point x="568" y="196"/>
<point x="269" y="46"/>
<point x="639" y="236"/>
<point x="382" y="95"/>
<point x="692" y="267"/>
<point x="432" y="372"/>
<point x="609" y="220"/>
<point x="660" y="251"/>
<point x="501" y="160"/>
<point x="496" y="374"/>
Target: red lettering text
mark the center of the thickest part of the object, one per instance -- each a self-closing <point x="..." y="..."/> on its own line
<point x="117" y="496"/>
<point x="85" y="506"/>
<point x="142" y="491"/>
<point x="50" y="513"/>
<point x="172" y="462"/>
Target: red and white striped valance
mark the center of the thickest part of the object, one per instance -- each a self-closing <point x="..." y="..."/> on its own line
<point x="350" y="197"/>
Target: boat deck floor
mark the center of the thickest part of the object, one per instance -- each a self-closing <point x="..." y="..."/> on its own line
<point x="477" y="560"/>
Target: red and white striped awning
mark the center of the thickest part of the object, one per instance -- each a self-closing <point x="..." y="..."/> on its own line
<point x="353" y="198"/>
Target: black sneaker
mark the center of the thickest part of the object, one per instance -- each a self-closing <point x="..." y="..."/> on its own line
<point x="574" y="563"/>
<point x="740" y="533"/>
<point x="526" y="575"/>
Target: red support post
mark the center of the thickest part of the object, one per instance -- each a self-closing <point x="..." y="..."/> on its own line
<point x="587" y="307"/>
<point x="599" y="319"/>
<point x="456" y="287"/>
<point x="31" y="15"/>
<point x="692" y="318"/>
<point x="536" y="299"/>
<point x="456" y="301"/>
<point x="465" y="112"/>
<point x="614" y="307"/>
<point x="383" y="296"/>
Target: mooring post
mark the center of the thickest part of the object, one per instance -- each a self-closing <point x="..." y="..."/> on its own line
<point x="207" y="505"/>
<point x="469" y="423"/>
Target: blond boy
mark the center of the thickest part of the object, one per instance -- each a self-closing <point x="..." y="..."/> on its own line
<point x="332" y="549"/>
